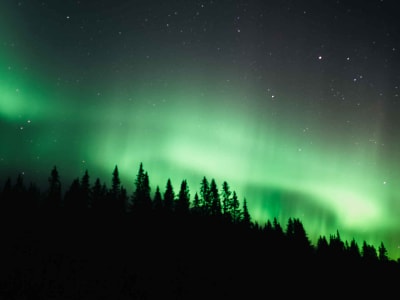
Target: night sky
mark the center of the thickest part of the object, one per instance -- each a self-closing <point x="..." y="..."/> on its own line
<point x="294" y="103"/>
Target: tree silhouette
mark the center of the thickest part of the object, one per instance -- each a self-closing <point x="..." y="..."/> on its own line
<point x="215" y="201"/>
<point x="226" y="200"/>
<point x="246" y="219"/>
<point x="85" y="194"/>
<point x="33" y="198"/>
<point x="117" y="197"/>
<point x="383" y="256"/>
<point x="205" y="198"/>
<point x="169" y="197"/>
<point x="53" y="197"/>
<point x="196" y="208"/>
<point x="72" y="197"/>
<point x="322" y="248"/>
<point x="39" y="257"/>
<point x="354" y="250"/>
<point x="336" y="246"/>
<point x="368" y="253"/>
<point x="235" y="209"/>
<point x="115" y="185"/>
<point x="98" y="199"/>
<point x="183" y="201"/>
<point x="297" y="236"/>
<point x="157" y="201"/>
<point x="141" y="200"/>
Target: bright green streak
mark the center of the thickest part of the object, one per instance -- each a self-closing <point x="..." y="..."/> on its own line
<point x="283" y="164"/>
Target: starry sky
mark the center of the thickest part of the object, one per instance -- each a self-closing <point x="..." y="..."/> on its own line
<point x="294" y="103"/>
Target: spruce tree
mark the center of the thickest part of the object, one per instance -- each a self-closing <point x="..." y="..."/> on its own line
<point x="383" y="256"/>
<point x="235" y="208"/>
<point x="72" y="197"/>
<point x="98" y="196"/>
<point x="226" y="200"/>
<point x="85" y="190"/>
<point x="205" y="199"/>
<point x="196" y="204"/>
<point x="214" y="199"/>
<point x="183" y="201"/>
<point x="246" y="220"/>
<point x="157" y="201"/>
<point x="141" y="200"/>
<point x="53" y="197"/>
<point x="169" y="197"/>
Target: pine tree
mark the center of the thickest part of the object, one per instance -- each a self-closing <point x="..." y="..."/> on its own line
<point x="85" y="190"/>
<point x="116" y="184"/>
<point x="215" y="199"/>
<point x="235" y="209"/>
<point x="183" y="201"/>
<point x="114" y="195"/>
<point x="122" y="200"/>
<point x="336" y="246"/>
<point x="299" y="237"/>
<point x="246" y="220"/>
<point x="196" y="204"/>
<point x="157" y="201"/>
<point x="53" y="197"/>
<point x="33" y="197"/>
<point x="169" y="197"/>
<point x="205" y="199"/>
<point x="72" y="197"/>
<point x="369" y="253"/>
<point x="226" y="201"/>
<point x="98" y="198"/>
<point x="19" y="192"/>
<point x="382" y="253"/>
<point x="141" y="200"/>
<point x="354" y="250"/>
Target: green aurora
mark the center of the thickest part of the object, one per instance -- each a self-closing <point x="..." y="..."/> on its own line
<point x="334" y="167"/>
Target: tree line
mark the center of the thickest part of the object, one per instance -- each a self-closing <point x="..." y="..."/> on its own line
<point x="81" y="197"/>
<point x="209" y="239"/>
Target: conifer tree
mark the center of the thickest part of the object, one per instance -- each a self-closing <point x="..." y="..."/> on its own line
<point x="383" y="256"/>
<point x="98" y="198"/>
<point x="122" y="200"/>
<point x="19" y="192"/>
<point x="157" y="201"/>
<point x="114" y="201"/>
<point x="235" y="209"/>
<point x="214" y="199"/>
<point x="226" y="200"/>
<point x="85" y="190"/>
<point x="205" y="199"/>
<point x="354" y="250"/>
<point x="33" y="196"/>
<point x="169" y="196"/>
<point x="278" y="234"/>
<point x="246" y="220"/>
<point x="53" y="197"/>
<point x="72" y="197"/>
<point x="141" y="199"/>
<point x="369" y="253"/>
<point x="116" y="184"/>
<point x="336" y="246"/>
<point x="196" y="204"/>
<point x="183" y="201"/>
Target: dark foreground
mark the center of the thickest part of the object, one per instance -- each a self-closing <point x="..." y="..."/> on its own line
<point x="62" y="256"/>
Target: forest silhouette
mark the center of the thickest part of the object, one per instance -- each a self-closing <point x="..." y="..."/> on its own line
<point x="95" y="241"/>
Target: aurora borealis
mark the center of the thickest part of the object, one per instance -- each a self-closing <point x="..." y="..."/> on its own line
<point x="294" y="103"/>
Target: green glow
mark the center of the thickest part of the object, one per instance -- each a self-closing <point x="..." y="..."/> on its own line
<point x="287" y="160"/>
